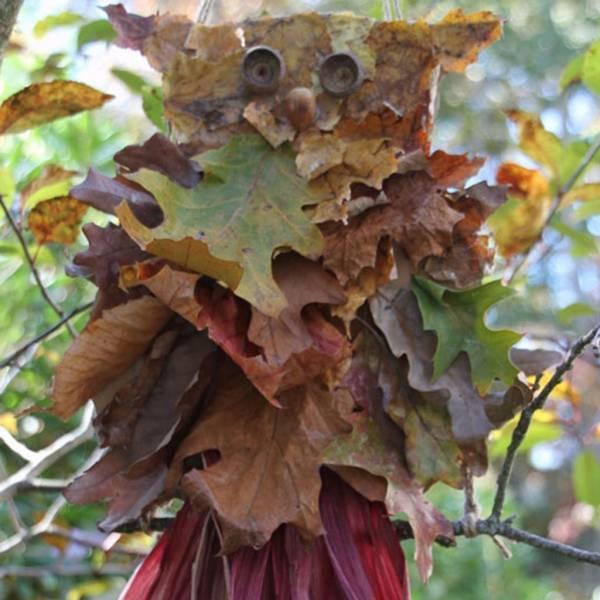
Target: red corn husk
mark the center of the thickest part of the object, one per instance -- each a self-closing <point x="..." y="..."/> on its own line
<point x="358" y="558"/>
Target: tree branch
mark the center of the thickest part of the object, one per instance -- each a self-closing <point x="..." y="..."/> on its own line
<point x="562" y="192"/>
<point x="522" y="427"/>
<point x="32" y="267"/>
<point x="49" y="455"/>
<point x="9" y="9"/>
<point x="9" y="360"/>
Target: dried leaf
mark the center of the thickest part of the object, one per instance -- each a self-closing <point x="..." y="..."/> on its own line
<point x="268" y="472"/>
<point x="57" y="220"/>
<point x="53" y="181"/>
<point x="366" y="449"/>
<point x="132" y="29"/>
<point x="105" y="194"/>
<point x="104" y="349"/>
<point x="160" y="154"/>
<point x="41" y="103"/>
<point x="263" y="193"/>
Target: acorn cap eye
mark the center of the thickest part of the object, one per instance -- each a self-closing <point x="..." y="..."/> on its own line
<point x="262" y="69"/>
<point x="340" y="74"/>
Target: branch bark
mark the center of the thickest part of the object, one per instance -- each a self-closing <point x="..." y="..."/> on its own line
<point x="9" y="9"/>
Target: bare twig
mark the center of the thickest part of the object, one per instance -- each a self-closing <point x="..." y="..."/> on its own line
<point x="526" y="415"/>
<point x="562" y="192"/>
<point x="16" y="229"/>
<point x="17" y="447"/>
<point x="39" y="484"/>
<point x="49" y="455"/>
<point x="13" y="511"/>
<point x="9" y="360"/>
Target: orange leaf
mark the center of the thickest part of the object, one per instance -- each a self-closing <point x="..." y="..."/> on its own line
<point x="57" y="220"/>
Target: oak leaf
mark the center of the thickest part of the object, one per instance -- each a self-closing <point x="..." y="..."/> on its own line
<point x="41" y="103"/>
<point x="268" y="472"/>
<point x="247" y="188"/>
<point x="458" y="319"/>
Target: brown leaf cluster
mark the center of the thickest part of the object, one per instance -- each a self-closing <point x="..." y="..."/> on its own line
<point x="203" y="393"/>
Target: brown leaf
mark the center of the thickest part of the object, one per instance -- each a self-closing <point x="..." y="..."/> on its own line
<point x="453" y="170"/>
<point x="268" y="472"/>
<point x="535" y="362"/>
<point x="105" y="349"/>
<point x="105" y="194"/>
<point x="458" y="38"/>
<point x="365" y="448"/>
<point x="160" y="154"/>
<point x="132" y="30"/>
<point x="56" y="221"/>
<point x="41" y="103"/>
<point x="303" y="282"/>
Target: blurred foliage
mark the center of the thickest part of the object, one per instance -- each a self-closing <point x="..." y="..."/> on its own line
<point x="542" y="65"/>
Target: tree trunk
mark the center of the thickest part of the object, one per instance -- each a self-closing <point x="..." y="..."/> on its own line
<point x="9" y="9"/>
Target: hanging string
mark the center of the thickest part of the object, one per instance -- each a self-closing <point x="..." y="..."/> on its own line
<point x="204" y="10"/>
<point x="398" y="10"/>
<point x="387" y="12"/>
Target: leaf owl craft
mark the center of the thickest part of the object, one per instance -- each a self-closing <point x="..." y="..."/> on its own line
<point x="256" y="347"/>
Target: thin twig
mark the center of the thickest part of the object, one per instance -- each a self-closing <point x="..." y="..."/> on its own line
<point x="52" y="453"/>
<point x="17" y="447"/>
<point x="39" y="484"/>
<point x="562" y="192"/>
<point x="9" y="360"/>
<point x="32" y="267"/>
<point x="526" y="415"/>
<point x="13" y="511"/>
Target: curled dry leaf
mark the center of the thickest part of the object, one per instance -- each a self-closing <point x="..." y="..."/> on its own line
<point x="268" y="472"/>
<point x="160" y="154"/>
<point x="105" y="349"/>
<point x="41" y="103"/>
<point x="57" y="220"/>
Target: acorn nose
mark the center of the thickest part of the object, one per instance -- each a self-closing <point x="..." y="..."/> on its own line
<point x="300" y="108"/>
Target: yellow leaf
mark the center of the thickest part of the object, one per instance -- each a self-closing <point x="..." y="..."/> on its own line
<point x="44" y="102"/>
<point x="57" y="220"/>
<point x="9" y="422"/>
<point x="52" y="182"/>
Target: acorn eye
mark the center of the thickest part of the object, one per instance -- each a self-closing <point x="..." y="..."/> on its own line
<point x="340" y="74"/>
<point x="262" y="69"/>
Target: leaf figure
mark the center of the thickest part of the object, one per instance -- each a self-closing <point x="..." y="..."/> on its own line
<point x="458" y="319"/>
<point x="248" y="187"/>
<point x="268" y="472"/>
<point x="105" y="348"/>
<point x="57" y="220"/>
<point x="365" y="448"/>
<point x="41" y="103"/>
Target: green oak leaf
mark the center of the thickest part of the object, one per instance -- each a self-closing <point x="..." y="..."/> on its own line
<point x="458" y="319"/>
<point x="247" y="206"/>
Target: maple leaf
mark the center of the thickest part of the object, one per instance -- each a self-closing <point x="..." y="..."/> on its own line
<point x="458" y="319"/>
<point x="104" y="349"/>
<point x="268" y="471"/>
<point x="365" y="448"/>
<point x="247" y="187"/>
<point x="41" y="103"/>
<point x="56" y="220"/>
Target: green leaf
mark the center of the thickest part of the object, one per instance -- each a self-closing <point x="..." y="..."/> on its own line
<point x="95" y="31"/>
<point x="590" y="71"/>
<point x="133" y="81"/>
<point x="53" y="21"/>
<point x="7" y="183"/>
<point x="572" y="72"/>
<point x="458" y="319"/>
<point x="586" y="478"/>
<point x="568" y="314"/>
<point x="248" y="205"/>
<point x="582" y="242"/>
<point x="152" y="103"/>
